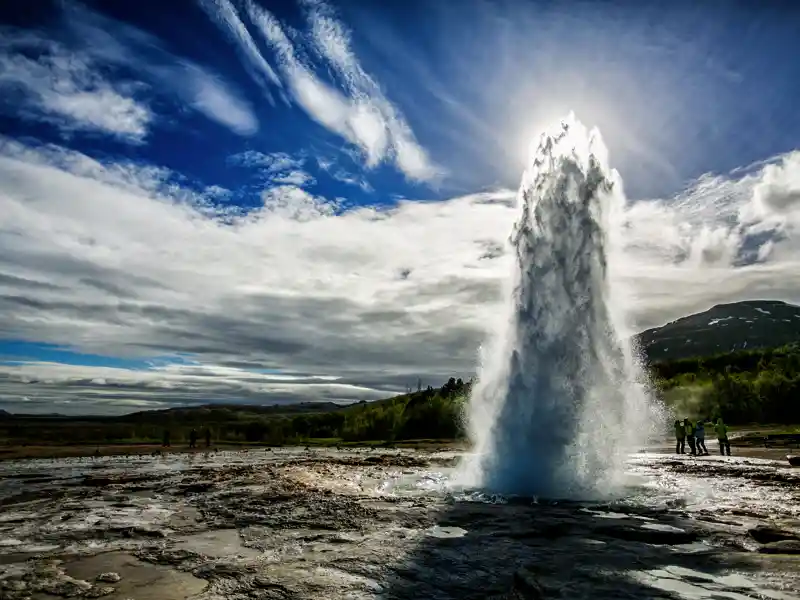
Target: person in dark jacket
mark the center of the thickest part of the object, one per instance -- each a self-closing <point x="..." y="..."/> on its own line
<point x="680" y="438"/>
<point x="193" y="438"/>
<point x="700" y="438"/>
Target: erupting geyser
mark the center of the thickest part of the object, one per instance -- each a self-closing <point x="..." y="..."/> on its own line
<point x="560" y="399"/>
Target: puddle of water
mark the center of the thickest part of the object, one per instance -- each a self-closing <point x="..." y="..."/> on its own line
<point x="446" y="532"/>
<point x="691" y="584"/>
<point x="217" y="544"/>
<point x="139" y="580"/>
<point x="662" y="527"/>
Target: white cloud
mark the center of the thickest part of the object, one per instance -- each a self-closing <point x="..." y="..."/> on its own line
<point x="115" y="258"/>
<point x="225" y="15"/>
<point x="272" y="163"/>
<point x="361" y="114"/>
<point x="376" y="120"/>
<point x="205" y="93"/>
<point x="297" y="178"/>
<point x="339" y="174"/>
<point x="68" y="89"/>
<point x="76" y="78"/>
<point x="278" y="168"/>
<point x="777" y="193"/>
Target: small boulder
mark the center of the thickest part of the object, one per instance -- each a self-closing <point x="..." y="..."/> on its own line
<point x="765" y="535"/>
<point x="781" y="547"/>
<point x="109" y="577"/>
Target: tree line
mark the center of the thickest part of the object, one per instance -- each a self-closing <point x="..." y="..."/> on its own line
<point x="756" y="386"/>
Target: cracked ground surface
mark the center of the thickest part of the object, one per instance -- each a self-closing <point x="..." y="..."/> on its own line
<point x="296" y="524"/>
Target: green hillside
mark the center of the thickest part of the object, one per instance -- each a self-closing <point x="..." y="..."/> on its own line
<point x="724" y="328"/>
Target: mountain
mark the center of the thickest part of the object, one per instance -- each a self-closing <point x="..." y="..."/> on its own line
<point x="723" y="328"/>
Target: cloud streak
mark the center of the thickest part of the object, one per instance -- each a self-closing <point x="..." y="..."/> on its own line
<point x="224" y="14"/>
<point x="358" y="112"/>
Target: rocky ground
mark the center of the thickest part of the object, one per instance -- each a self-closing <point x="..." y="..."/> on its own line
<point x="383" y="524"/>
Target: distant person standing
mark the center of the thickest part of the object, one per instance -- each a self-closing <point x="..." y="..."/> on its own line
<point x="193" y="438"/>
<point x="208" y="437"/>
<point x="689" y="427"/>
<point x="722" y="437"/>
<point x="165" y="443"/>
<point x="680" y="438"/>
<point x="700" y="437"/>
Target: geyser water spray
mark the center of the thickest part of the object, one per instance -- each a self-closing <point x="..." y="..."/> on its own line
<point x="560" y="399"/>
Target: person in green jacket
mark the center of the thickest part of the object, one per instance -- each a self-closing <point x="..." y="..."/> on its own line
<point x="722" y="437"/>
<point x="689" y="427"/>
<point x="680" y="438"/>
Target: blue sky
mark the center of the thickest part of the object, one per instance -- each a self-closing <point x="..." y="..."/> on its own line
<point x="235" y="200"/>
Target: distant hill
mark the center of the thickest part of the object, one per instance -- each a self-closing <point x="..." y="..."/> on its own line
<point x="223" y="412"/>
<point x="724" y="328"/>
<point x="191" y="414"/>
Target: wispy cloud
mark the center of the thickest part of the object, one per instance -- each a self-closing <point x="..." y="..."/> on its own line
<point x="273" y="163"/>
<point x="360" y="112"/>
<point x="278" y="167"/>
<point x="44" y="80"/>
<point x="93" y="73"/>
<point x="120" y="259"/>
<point x="342" y="175"/>
<point x="332" y="41"/>
<point x="206" y="93"/>
<point x="224" y="14"/>
<point x="123" y="45"/>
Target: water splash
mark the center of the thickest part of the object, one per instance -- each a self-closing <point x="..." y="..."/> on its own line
<point x="560" y="399"/>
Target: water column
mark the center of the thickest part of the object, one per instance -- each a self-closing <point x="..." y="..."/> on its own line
<point x="560" y="398"/>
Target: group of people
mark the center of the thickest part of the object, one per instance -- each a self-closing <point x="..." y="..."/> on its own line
<point x="695" y="434"/>
<point x="193" y="435"/>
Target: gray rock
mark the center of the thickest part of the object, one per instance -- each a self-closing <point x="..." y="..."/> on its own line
<point x="100" y="592"/>
<point x="631" y="533"/>
<point x="781" y="547"/>
<point x="109" y="577"/>
<point x="526" y="585"/>
<point x="765" y="535"/>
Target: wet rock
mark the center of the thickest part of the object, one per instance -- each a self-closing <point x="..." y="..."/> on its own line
<point x="764" y="534"/>
<point x="781" y="547"/>
<point x="264" y="582"/>
<point x="66" y="588"/>
<point x="13" y="585"/>
<point x="196" y="488"/>
<point x="215" y="570"/>
<point x="165" y="556"/>
<point x="100" y="591"/>
<point x="526" y="586"/>
<point x="109" y="577"/>
<point x="118" y="479"/>
<point x="631" y="533"/>
<point x="548" y="531"/>
<point x="134" y="532"/>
